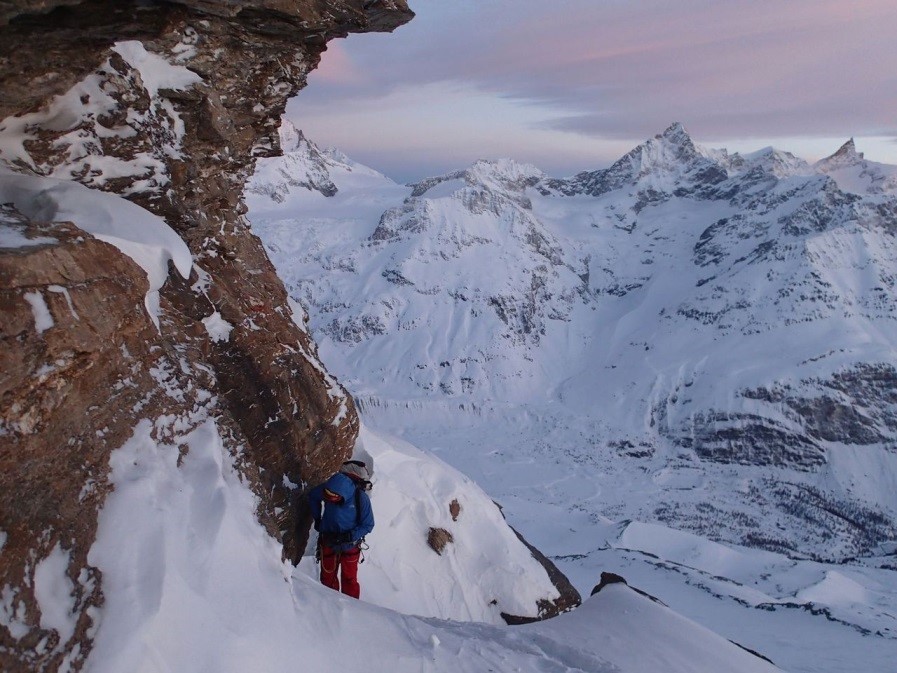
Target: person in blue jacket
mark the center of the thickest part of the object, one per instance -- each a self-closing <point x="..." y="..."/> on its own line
<point x="342" y="516"/>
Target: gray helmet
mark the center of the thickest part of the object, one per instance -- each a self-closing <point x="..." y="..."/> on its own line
<point x="357" y="470"/>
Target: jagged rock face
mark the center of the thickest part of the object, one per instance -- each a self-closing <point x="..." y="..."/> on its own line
<point x="78" y="353"/>
<point x="169" y="105"/>
<point x="670" y="163"/>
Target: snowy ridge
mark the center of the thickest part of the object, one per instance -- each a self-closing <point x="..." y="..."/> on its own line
<point x="690" y="338"/>
<point x="854" y="173"/>
<point x="770" y="160"/>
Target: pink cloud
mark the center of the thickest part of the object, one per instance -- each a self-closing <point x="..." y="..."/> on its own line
<point x="337" y="67"/>
<point x="778" y="68"/>
<point x="623" y="70"/>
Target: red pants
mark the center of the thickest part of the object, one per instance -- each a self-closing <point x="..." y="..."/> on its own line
<point x="347" y="563"/>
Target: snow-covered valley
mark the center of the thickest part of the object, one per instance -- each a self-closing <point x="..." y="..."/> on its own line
<point x="680" y="368"/>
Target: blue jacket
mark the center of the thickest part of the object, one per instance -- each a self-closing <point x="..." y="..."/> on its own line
<point x="342" y="517"/>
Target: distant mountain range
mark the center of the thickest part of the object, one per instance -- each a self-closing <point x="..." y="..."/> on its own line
<point x="683" y="311"/>
<point x="689" y="337"/>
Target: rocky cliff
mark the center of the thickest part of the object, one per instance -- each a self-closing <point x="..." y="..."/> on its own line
<point x="167" y="105"/>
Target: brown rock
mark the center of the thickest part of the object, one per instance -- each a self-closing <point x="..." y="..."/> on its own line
<point x="438" y="538"/>
<point x="455" y="509"/>
<point x="568" y="599"/>
<point x="62" y="391"/>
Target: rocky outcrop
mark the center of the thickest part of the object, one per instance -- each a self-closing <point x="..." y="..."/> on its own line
<point x="167" y="104"/>
<point x="568" y="597"/>
<point x="80" y="360"/>
<point x="794" y="423"/>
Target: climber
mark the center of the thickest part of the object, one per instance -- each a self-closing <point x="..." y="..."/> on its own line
<point x="346" y="518"/>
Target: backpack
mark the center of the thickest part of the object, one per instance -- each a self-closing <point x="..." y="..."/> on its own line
<point x="357" y="471"/>
<point x="340" y="494"/>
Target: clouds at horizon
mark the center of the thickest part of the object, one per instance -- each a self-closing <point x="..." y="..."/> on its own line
<point x="621" y="71"/>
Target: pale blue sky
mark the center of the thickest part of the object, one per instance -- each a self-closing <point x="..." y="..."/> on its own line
<point x="573" y="84"/>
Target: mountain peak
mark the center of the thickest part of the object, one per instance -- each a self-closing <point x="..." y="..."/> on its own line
<point x="669" y="153"/>
<point x="856" y="174"/>
<point x="846" y="155"/>
<point x="676" y="132"/>
<point x="848" y="151"/>
<point x="291" y="137"/>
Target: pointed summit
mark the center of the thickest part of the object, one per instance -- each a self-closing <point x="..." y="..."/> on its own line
<point x="660" y="164"/>
<point x="291" y="137"/>
<point x="677" y="133"/>
<point x="848" y="151"/>
<point x="302" y="165"/>
<point x="667" y="155"/>
<point x="846" y="155"/>
<point x="856" y="174"/>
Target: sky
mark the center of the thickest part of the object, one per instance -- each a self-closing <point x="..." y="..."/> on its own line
<point x="571" y="85"/>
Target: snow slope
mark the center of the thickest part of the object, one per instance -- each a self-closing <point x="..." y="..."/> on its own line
<point x="688" y="338"/>
<point x="412" y="493"/>
<point x="193" y="583"/>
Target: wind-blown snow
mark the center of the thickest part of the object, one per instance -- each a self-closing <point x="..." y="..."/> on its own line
<point x="412" y="493"/>
<point x="666" y="641"/>
<point x="139" y="234"/>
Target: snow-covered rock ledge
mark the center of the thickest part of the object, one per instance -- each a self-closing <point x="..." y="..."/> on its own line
<point x="166" y="105"/>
